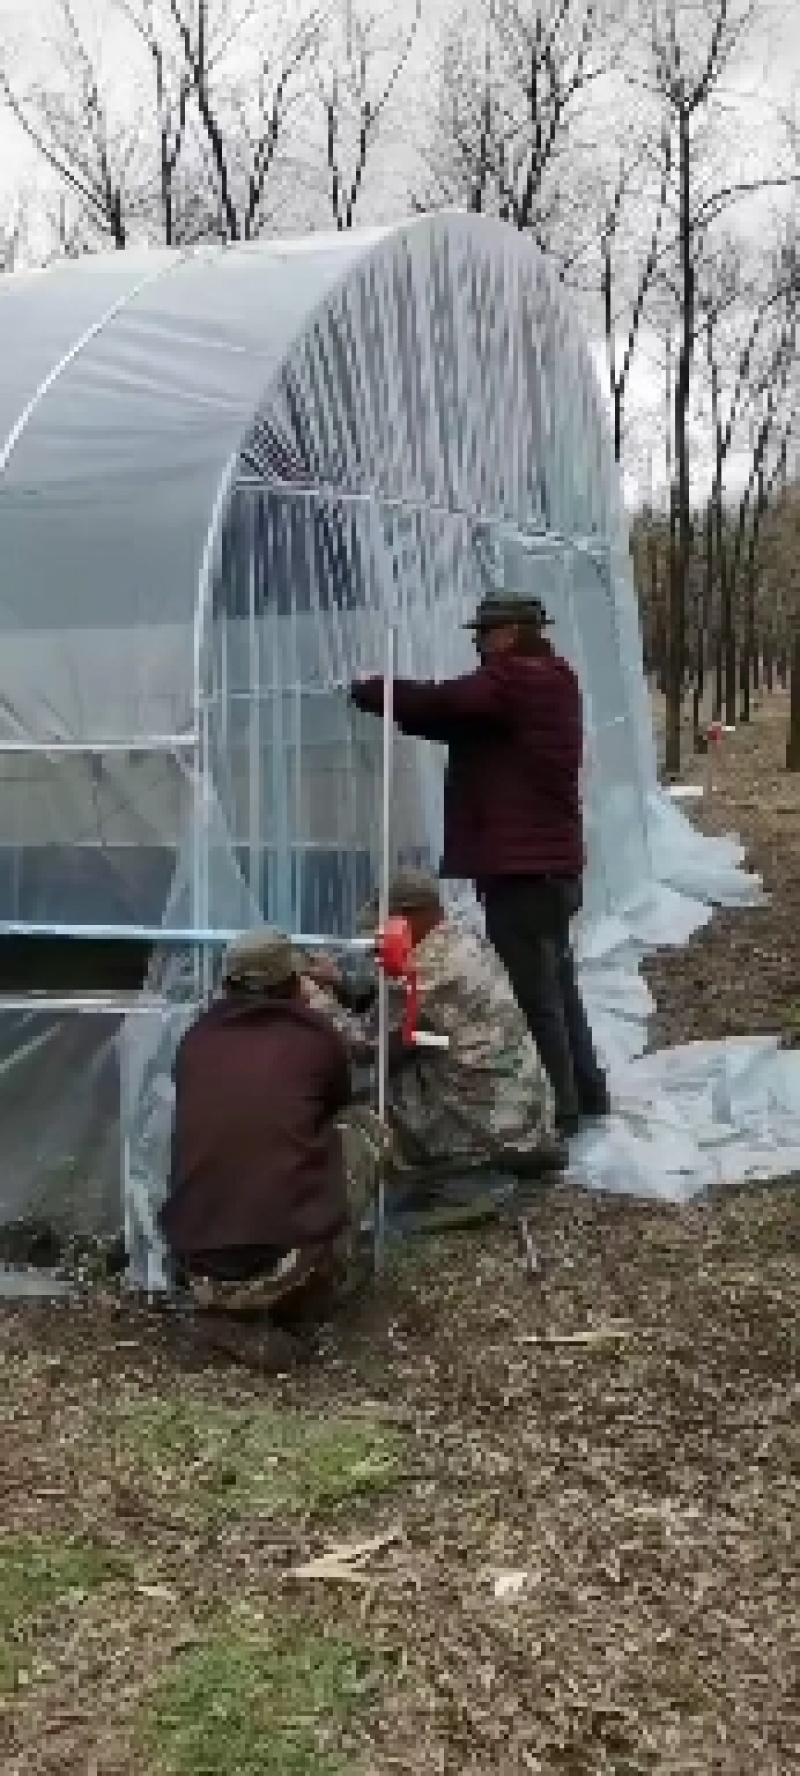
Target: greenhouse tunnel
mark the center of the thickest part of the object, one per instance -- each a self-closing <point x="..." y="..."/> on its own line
<point x="226" y="473"/>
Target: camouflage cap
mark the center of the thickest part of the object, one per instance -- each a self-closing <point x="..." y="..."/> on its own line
<point x="410" y="891"/>
<point x="492" y="613"/>
<point x="263" y="958"/>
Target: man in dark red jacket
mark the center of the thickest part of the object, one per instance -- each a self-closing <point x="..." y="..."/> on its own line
<point x="257" y="1217"/>
<point x="513" y="822"/>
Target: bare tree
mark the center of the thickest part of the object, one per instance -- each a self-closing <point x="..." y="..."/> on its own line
<point x="219" y="133"/>
<point x="689" y="55"/>
<point x="13" y="236"/>
<point x="514" y="80"/>
<point x="620" y="361"/>
<point x="196" y="156"/>
<point x="773" y="421"/>
<point x="172" y="93"/>
<point x="750" y="364"/>
<point x="355" y="90"/>
<point x="67" y="121"/>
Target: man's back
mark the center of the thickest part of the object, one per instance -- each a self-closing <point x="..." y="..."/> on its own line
<point x="256" y="1155"/>
<point x="487" y="1090"/>
<point x="512" y="798"/>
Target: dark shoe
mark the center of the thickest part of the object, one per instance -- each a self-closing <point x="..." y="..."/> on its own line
<point x="595" y="1106"/>
<point x="551" y="1155"/>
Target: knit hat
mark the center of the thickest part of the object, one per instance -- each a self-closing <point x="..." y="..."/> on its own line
<point x="263" y="958"/>
<point x="410" y="891"/>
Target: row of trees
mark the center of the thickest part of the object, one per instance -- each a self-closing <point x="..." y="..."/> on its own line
<point x="739" y="641"/>
<point x="607" y="129"/>
<point x="197" y="127"/>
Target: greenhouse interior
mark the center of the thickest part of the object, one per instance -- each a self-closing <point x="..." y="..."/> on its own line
<point x="226" y="477"/>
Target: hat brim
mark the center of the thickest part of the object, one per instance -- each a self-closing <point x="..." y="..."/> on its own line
<point x="251" y="970"/>
<point x="503" y="619"/>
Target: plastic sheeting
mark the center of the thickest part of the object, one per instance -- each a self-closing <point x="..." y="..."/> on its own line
<point x="224" y="475"/>
<point x="686" y="1118"/>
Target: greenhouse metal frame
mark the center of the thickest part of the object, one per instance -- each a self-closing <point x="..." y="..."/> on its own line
<point x="277" y="455"/>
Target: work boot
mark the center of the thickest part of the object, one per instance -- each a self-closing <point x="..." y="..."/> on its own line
<point x="552" y="1155"/>
<point x="595" y="1104"/>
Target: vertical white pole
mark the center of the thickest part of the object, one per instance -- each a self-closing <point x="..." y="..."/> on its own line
<point x="254" y="857"/>
<point x="383" y="912"/>
<point x="197" y="847"/>
<point x="204" y="895"/>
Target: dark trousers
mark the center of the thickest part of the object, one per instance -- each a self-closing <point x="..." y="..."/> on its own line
<point x="527" y="922"/>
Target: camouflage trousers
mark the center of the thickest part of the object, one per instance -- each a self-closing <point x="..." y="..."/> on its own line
<point x="300" y="1282"/>
<point x="367" y="1145"/>
<point x="311" y="1278"/>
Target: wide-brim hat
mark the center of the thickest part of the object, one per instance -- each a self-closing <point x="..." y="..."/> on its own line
<point x="410" y="891"/>
<point x="261" y="958"/>
<point x="494" y="613"/>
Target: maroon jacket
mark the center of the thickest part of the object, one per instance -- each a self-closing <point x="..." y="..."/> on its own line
<point x="256" y="1157"/>
<point x="514" y="729"/>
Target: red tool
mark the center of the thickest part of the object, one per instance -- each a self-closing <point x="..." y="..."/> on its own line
<point x="395" y="957"/>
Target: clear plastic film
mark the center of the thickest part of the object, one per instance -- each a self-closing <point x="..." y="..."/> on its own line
<point x="223" y="476"/>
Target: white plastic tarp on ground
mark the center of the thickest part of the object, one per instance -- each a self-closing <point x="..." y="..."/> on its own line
<point x="691" y="1117"/>
<point x="694" y="1116"/>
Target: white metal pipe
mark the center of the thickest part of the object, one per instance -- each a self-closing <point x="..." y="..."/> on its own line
<point x="254" y="849"/>
<point x="91" y="1004"/>
<point x="155" y="744"/>
<point x="197" y="843"/>
<point x="203" y="895"/>
<point x="383" y="913"/>
<point x="171" y="936"/>
<point x="200" y="689"/>
<point x="327" y="494"/>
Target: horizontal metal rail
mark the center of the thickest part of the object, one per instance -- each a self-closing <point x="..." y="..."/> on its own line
<point x="167" y="937"/>
<point x="108" y="1004"/>
<point x="155" y="744"/>
<point x="329" y="493"/>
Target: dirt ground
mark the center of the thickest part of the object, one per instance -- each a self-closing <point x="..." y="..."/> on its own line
<point x="579" y="1491"/>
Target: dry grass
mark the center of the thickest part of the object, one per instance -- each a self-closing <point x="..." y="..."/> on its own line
<point x="635" y="1494"/>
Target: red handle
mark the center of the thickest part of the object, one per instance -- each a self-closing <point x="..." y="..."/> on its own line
<point x="393" y="948"/>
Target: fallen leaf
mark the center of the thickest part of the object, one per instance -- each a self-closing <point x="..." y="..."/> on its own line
<point x="509" y="1584"/>
<point x="344" y="1560"/>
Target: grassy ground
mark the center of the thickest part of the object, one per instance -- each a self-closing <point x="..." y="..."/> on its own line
<point x="572" y="1501"/>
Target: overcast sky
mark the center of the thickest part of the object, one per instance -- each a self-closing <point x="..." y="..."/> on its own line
<point x="765" y="85"/>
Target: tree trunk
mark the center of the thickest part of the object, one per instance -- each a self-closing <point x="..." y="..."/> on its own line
<point x="679" y="579"/>
<point x="731" y="684"/>
<point x="793" y="738"/>
<point x="749" y="673"/>
<point x="769" y="661"/>
<point x="704" y="622"/>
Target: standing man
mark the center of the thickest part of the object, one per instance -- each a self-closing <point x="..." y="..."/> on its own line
<point x="513" y="822"/>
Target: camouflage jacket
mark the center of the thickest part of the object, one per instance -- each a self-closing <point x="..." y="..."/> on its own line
<point x="487" y="1091"/>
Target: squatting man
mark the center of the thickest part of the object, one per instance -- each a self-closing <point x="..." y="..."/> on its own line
<point x="275" y="1151"/>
